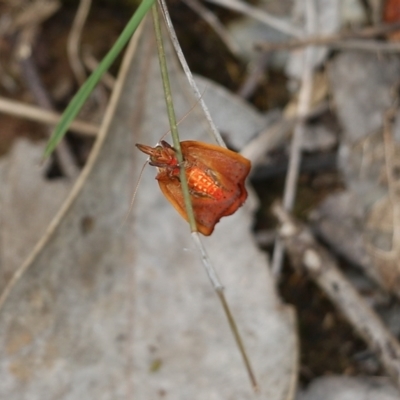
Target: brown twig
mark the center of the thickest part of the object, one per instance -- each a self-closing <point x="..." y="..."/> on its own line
<point x="30" y="14"/>
<point x="259" y="15"/>
<point x="338" y="39"/>
<point x="374" y="46"/>
<point x="37" y="114"/>
<point x="74" y="41"/>
<point x="306" y="252"/>
<point x="215" y="24"/>
<point x="276" y="134"/>
<point x="255" y="74"/>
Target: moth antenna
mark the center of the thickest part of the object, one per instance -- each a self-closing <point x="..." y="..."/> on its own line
<point x="135" y="191"/>
<point x="187" y="113"/>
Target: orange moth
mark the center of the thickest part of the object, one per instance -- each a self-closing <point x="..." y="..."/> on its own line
<point x="215" y="176"/>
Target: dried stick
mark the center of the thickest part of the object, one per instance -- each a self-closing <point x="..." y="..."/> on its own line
<point x="368" y="45"/>
<point x="215" y="24"/>
<point x="305" y="251"/>
<point x="259" y="15"/>
<point x="295" y="150"/>
<point x="32" y="13"/>
<point x="37" y="114"/>
<point x="277" y="133"/>
<point x="74" y="40"/>
<point x="255" y="74"/>
<point x="328" y="40"/>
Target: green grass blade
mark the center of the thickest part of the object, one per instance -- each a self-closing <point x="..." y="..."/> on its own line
<point x="84" y="92"/>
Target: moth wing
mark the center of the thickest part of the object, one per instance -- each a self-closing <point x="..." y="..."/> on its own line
<point x="207" y="211"/>
<point x="230" y="168"/>
<point x="228" y="164"/>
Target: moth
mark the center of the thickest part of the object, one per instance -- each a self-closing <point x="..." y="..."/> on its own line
<point x="216" y="179"/>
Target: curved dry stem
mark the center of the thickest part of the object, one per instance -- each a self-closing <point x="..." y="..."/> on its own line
<point x="215" y="24"/>
<point x="336" y="39"/>
<point x="74" y="40"/>
<point x="37" y="114"/>
<point x="259" y="15"/>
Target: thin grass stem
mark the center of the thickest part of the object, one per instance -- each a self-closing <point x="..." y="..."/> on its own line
<point x="189" y="74"/>
<point x="172" y="119"/>
<point x="188" y="204"/>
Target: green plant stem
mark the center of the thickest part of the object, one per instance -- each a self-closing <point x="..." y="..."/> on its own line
<point x="238" y="340"/>
<point x="172" y="119"/>
<point x="231" y="320"/>
<point x="188" y="204"/>
<point x="86" y="89"/>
